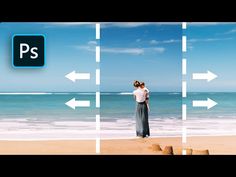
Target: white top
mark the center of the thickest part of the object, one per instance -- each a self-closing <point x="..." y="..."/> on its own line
<point x="145" y="88"/>
<point x="139" y="95"/>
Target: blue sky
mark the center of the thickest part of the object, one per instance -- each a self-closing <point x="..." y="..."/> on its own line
<point x="65" y="51"/>
<point x="144" y="51"/>
<point x="212" y="47"/>
<point x="149" y="52"/>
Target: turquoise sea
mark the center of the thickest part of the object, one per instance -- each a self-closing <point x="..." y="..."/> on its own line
<point x="45" y="115"/>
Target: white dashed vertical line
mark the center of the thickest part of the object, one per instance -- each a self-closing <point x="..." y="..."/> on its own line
<point x="97" y="99"/>
<point x="97" y="145"/>
<point x="184" y="111"/>
<point x="184" y="89"/>
<point x="184" y="66"/>
<point x="184" y="44"/>
<point x="98" y="138"/>
<point x="97" y="54"/>
<point x="97" y="76"/>
<point x="97" y="30"/>
<point x="184" y="25"/>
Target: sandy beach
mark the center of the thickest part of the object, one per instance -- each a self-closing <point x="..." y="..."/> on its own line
<point x="47" y="147"/>
<point x="215" y="145"/>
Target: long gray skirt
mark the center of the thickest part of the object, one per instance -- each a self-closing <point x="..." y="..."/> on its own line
<point x="142" y="125"/>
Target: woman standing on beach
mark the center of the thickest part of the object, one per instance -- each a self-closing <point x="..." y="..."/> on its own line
<point x="142" y="125"/>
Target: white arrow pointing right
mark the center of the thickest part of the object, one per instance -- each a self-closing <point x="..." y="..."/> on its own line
<point x="207" y="76"/>
<point x="202" y="103"/>
<point x="73" y="103"/>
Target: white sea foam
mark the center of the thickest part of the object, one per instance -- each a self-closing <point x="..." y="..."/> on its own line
<point x="126" y="93"/>
<point x="18" y="129"/>
<point x="174" y="93"/>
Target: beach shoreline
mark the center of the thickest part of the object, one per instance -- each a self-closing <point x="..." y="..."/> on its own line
<point x="217" y="145"/>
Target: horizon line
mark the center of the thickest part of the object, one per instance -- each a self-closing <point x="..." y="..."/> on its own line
<point x="89" y="92"/>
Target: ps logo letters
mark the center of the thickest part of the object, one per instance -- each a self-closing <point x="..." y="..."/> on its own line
<point x="28" y="50"/>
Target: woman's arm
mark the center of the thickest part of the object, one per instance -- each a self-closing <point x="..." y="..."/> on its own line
<point x="145" y="94"/>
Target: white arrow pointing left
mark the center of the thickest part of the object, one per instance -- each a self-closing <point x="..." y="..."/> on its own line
<point x="73" y="103"/>
<point x="207" y="76"/>
<point x="73" y="76"/>
<point x="202" y="103"/>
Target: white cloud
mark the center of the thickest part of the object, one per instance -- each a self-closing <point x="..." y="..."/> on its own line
<point x="159" y="49"/>
<point x="107" y="24"/>
<point x="127" y="24"/>
<point x="85" y="47"/>
<point x="67" y="24"/>
<point x="164" y="42"/>
<point x="154" y="42"/>
<point x="171" y="41"/>
<point x="208" y="39"/>
<point x="132" y="51"/>
<point x="90" y="47"/>
<point x="231" y="31"/>
<point x="92" y="43"/>
<point x="135" y="24"/>
<point x="209" y="23"/>
<point x="191" y="41"/>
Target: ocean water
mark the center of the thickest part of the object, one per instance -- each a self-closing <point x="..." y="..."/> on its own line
<point x="219" y="120"/>
<point x="45" y="115"/>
